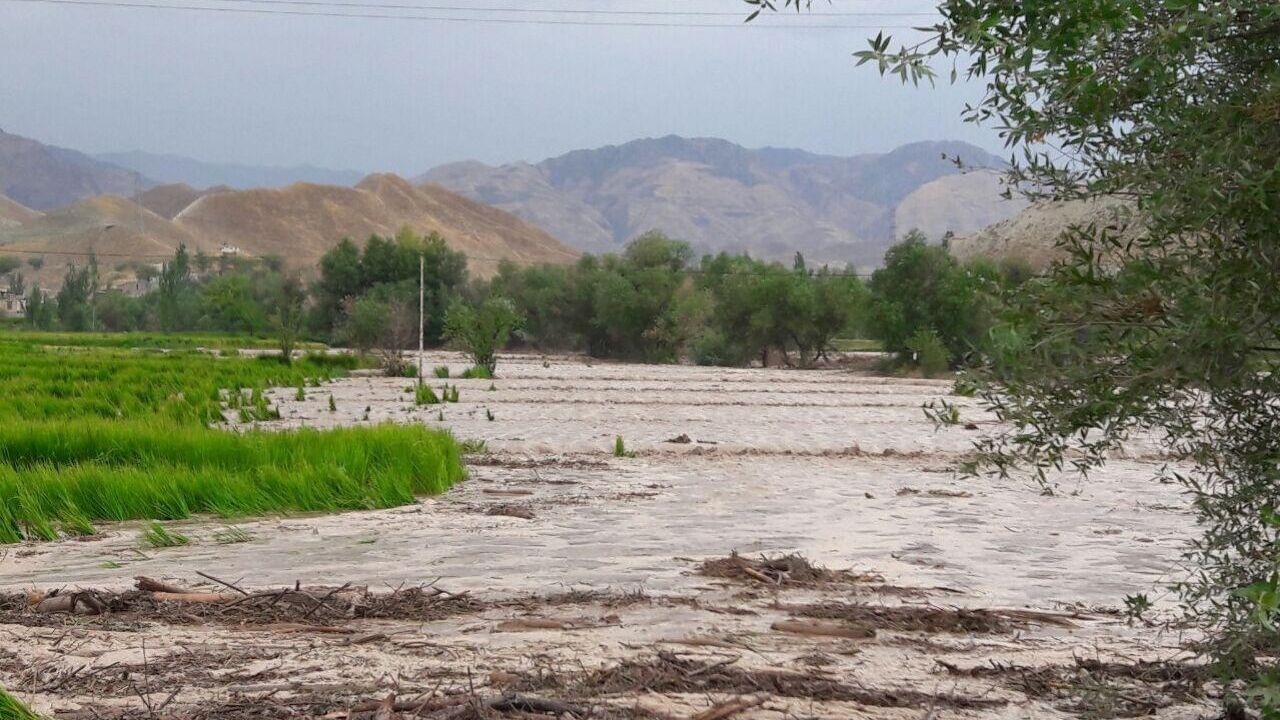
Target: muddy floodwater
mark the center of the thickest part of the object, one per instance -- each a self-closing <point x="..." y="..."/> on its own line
<point x="870" y="580"/>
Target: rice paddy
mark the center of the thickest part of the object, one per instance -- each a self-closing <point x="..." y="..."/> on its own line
<point x="94" y="432"/>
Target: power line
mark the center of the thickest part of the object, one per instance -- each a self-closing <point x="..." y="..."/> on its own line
<point x="451" y="19"/>
<point x="571" y="11"/>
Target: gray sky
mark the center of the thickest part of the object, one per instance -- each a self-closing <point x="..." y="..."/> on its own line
<point x="401" y="95"/>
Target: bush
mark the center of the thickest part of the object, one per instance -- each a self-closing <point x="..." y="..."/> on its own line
<point x="928" y="353"/>
<point x="424" y="395"/>
<point x="482" y="330"/>
<point x="477" y="373"/>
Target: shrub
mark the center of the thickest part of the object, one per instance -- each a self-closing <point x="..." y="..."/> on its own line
<point x="477" y="373"/>
<point x="424" y="395"/>
<point x="442" y="371"/>
<point x="482" y="330"/>
<point x="928" y="353"/>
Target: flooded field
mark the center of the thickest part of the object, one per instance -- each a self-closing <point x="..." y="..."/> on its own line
<point x="562" y="580"/>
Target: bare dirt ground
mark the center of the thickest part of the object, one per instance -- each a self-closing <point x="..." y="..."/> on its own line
<point x="561" y="581"/>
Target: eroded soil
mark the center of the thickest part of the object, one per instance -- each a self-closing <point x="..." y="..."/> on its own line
<point x="563" y="581"/>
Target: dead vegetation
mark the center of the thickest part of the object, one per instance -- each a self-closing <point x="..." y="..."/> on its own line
<point x="311" y="607"/>
<point x="670" y="673"/>
<point x="1096" y="689"/>
<point x="930" y="618"/>
<point x="781" y="570"/>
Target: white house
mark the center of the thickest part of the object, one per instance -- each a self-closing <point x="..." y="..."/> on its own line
<point x="12" y="304"/>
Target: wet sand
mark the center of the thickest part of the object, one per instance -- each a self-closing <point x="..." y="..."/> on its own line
<point x="841" y="468"/>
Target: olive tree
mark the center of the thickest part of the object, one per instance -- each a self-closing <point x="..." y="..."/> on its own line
<point x="1163" y="316"/>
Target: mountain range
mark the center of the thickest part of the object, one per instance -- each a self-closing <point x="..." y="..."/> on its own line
<point x="770" y="202"/>
<point x="43" y="176"/>
<point x="171" y="169"/>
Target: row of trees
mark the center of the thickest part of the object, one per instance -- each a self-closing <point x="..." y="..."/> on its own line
<point x="653" y="302"/>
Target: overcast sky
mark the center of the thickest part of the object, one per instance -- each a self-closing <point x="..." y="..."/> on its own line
<point x="405" y="95"/>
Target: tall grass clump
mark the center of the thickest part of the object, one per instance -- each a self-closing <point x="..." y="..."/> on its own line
<point x="157" y="536"/>
<point x="93" y="434"/>
<point x="479" y="372"/>
<point x="620" y="448"/>
<point x="12" y="709"/>
<point x="424" y="395"/>
<point x="442" y="371"/>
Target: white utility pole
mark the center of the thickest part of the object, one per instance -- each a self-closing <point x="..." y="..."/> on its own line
<point x="422" y="274"/>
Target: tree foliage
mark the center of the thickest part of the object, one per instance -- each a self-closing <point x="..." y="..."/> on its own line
<point x="1163" y="318"/>
<point x="481" y="330"/>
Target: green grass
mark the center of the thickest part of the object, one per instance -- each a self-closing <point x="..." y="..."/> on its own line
<point x="99" y="433"/>
<point x="11" y="709"/>
<point x="620" y="448"/>
<point x="170" y="341"/>
<point x="477" y="373"/>
<point x="424" y="395"/>
<point x="158" y="537"/>
<point x="442" y="371"/>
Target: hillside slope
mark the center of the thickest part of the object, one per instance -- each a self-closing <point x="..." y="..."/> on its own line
<point x="14" y="213"/>
<point x="298" y="223"/>
<point x="718" y="195"/>
<point x="302" y="221"/>
<point x="43" y="176"/>
<point x="120" y="232"/>
<point x="1033" y="234"/>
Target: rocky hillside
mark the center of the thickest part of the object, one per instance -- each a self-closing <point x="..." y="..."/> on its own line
<point x="721" y="196"/>
<point x="1033" y="234"/>
<point x="44" y="177"/>
<point x="298" y="223"/>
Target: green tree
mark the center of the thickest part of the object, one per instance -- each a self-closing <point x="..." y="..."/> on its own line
<point x="366" y="322"/>
<point x="40" y="311"/>
<point x="921" y="287"/>
<point x="117" y="312"/>
<point x="9" y="263"/>
<point x="288" y="311"/>
<point x="73" y="299"/>
<point x="1164" y="316"/>
<point x="228" y="303"/>
<point x="174" y="302"/>
<point x="17" y="284"/>
<point x="480" y="331"/>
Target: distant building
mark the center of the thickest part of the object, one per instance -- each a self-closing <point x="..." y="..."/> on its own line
<point x="229" y="250"/>
<point x="12" y="304"/>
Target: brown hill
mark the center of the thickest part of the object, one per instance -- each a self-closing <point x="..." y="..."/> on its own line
<point x="14" y="213"/>
<point x="43" y="176"/>
<point x="169" y="200"/>
<point x="298" y="223"/>
<point x="120" y="232"/>
<point x="720" y="196"/>
<point x="302" y="221"/>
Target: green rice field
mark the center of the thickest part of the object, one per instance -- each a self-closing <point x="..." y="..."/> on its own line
<point x="116" y="429"/>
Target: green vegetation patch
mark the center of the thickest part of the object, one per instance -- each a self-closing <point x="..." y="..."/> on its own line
<point x="104" y="434"/>
<point x="12" y="709"/>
